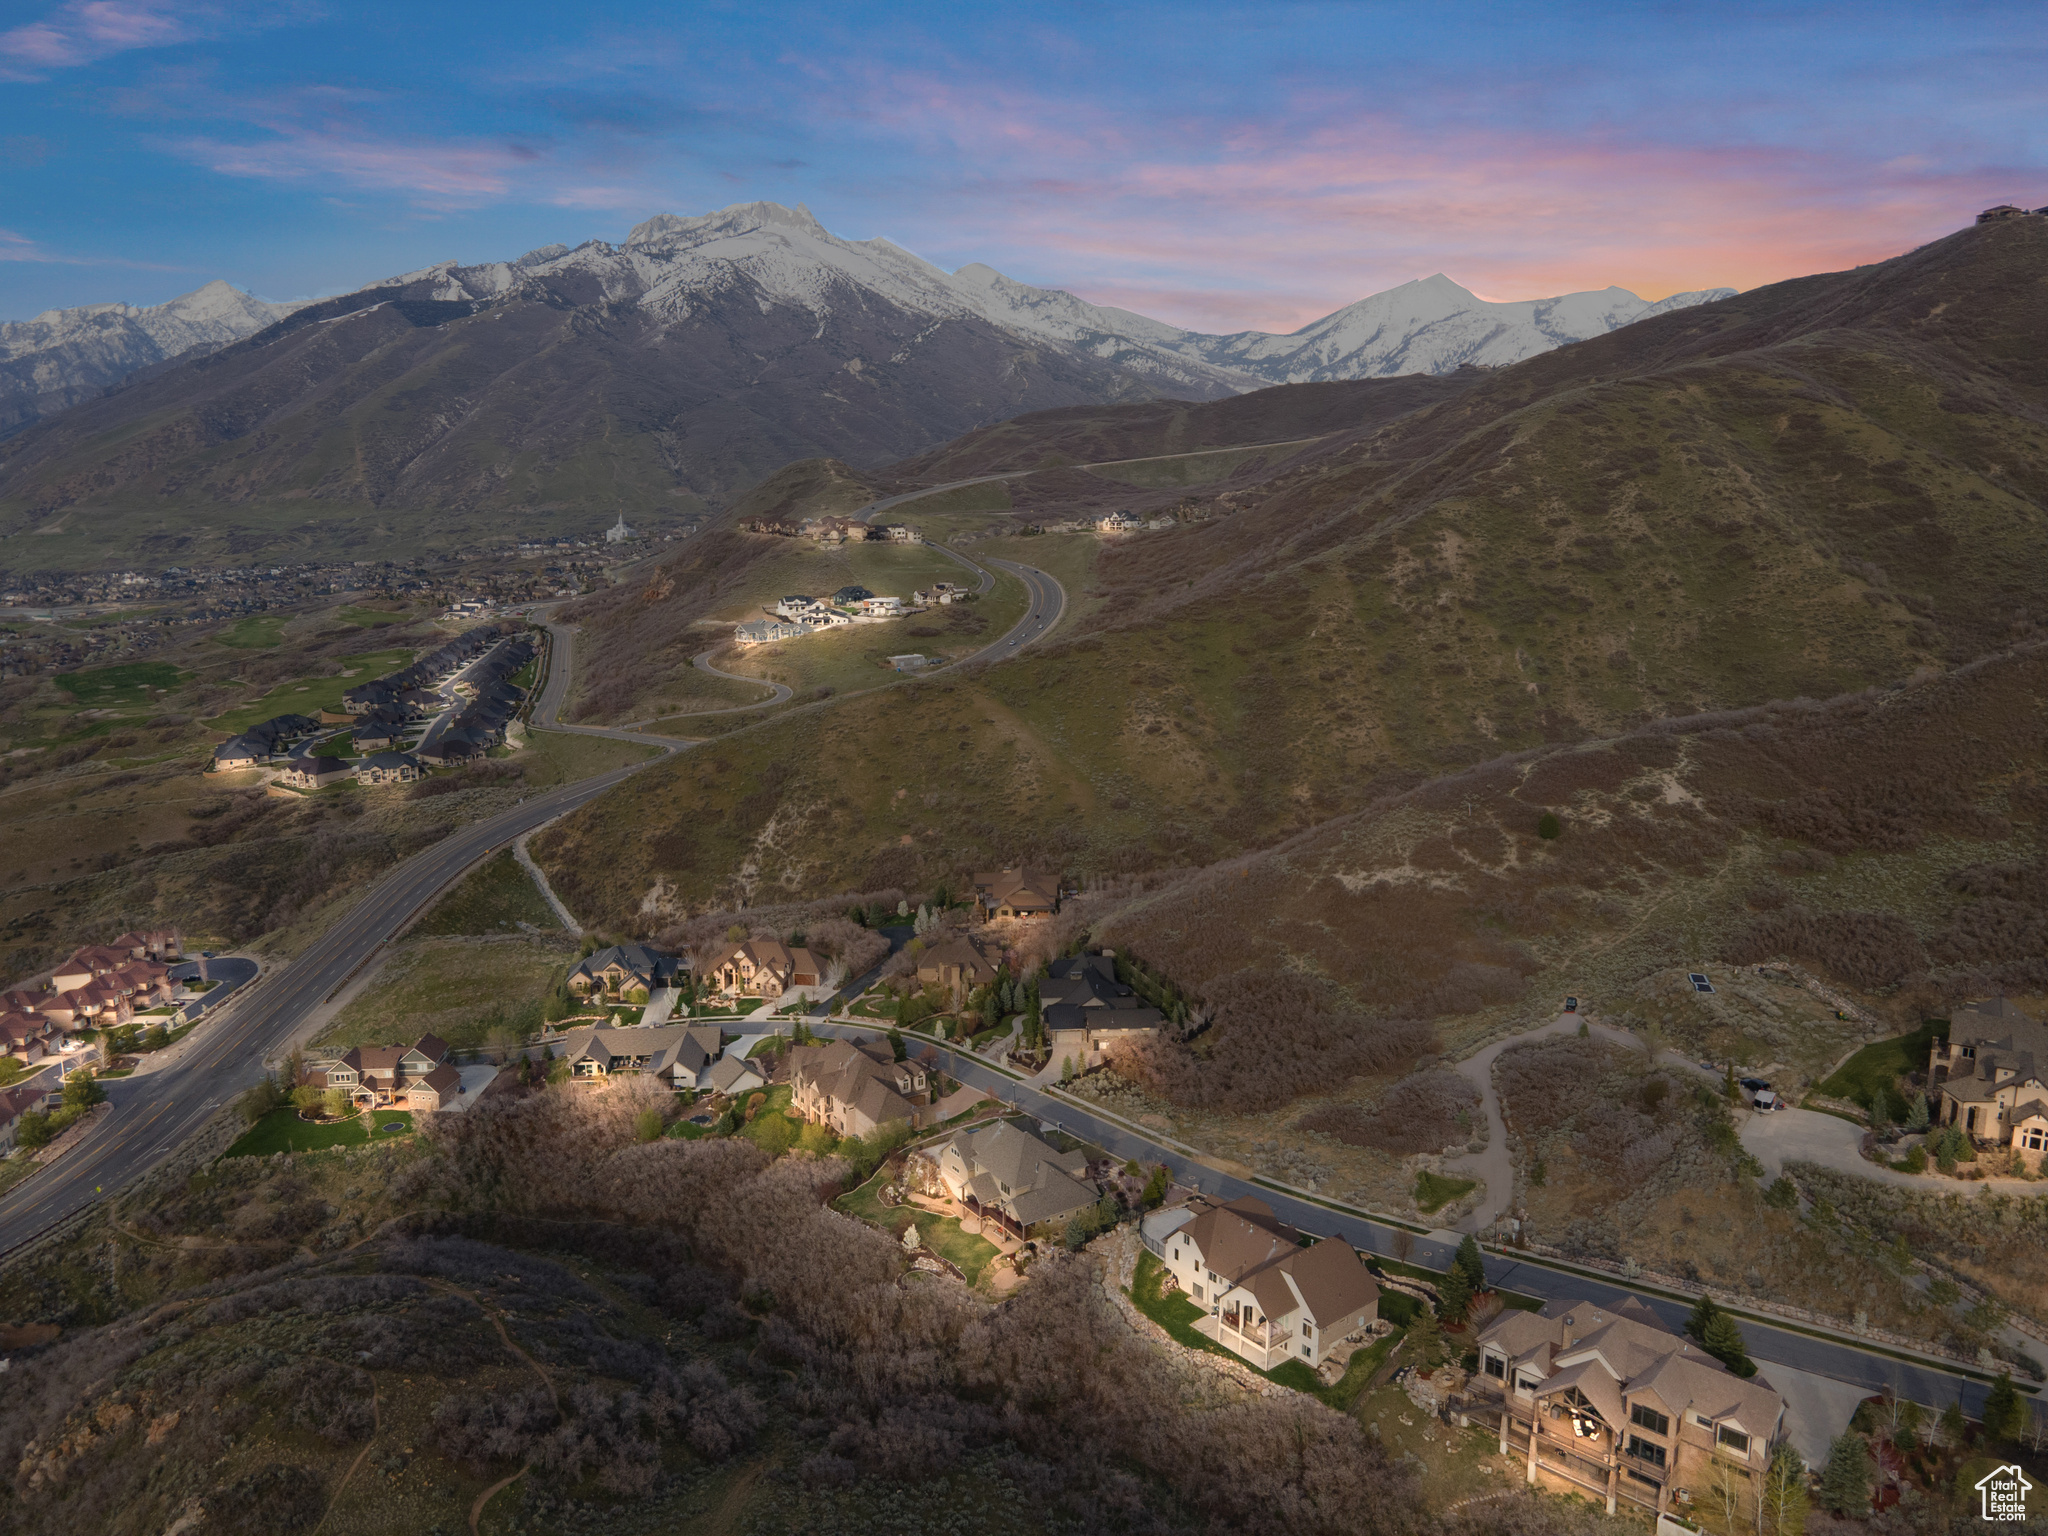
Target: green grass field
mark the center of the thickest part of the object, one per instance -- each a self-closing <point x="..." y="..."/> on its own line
<point x="1178" y="1316"/>
<point x="283" y="1131"/>
<point x="368" y="618"/>
<point x="496" y="897"/>
<point x="128" y="686"/>
<point x="971" y="1252"/>
<point x="258" y="632"/>
<point x="311" y="695"/>
<point x="1881" y="1065"/>
<point x="1433" y="1191"/>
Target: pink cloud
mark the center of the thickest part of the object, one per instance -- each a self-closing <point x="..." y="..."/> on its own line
<point x="1271" y="224"/>
<point x="86" y="30"/>
<point x="433" y="172"/>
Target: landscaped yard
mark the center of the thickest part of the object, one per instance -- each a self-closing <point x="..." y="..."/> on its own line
<point x="942" y="1234"/>
<point x="464" y="990"/>
<point x="1882" y="1064"/>
<point x="1433" y="1191"/>
<point x="1178" y="1316"/>
<point x="283" y="1131"/>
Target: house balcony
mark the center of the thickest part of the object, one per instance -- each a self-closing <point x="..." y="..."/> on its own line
<point x="1261" y="1345"/>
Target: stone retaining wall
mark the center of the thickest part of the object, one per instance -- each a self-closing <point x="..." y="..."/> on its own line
<point x="1114" y="1258"/>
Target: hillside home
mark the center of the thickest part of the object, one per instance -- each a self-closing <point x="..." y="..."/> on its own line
<point x="848" y="596"/>
<point x="856" y="1086"/>
<point x="241" y="752"/>
<point x="1118" y="522"/>
<point x="1085" y="1009"/>
<point x="762" y="968"/>
<point x="959" y="964"/>
<point x="881" y="607"/>
<point x="732" y="1075"/>
<point x="1269" y="1299"/>
<point x="27" y="1037"/>
<point x="390" y="768"/>
<point x="622" y="968"/>
<point x="315" y="772"/>
<point x="766" y="631"/>
<point x="1015" y="893"/>
<point x="680" y="1055"/>
<point x="16" y="1102"/>
<point x="151" y="944"/>
<point x="419" y="1077"/>
<point x="1605" y="1400"/>
<point x="1990" y="1076"/>
<point x="1004" y="1174"/>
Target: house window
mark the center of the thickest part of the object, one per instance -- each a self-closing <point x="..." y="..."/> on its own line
<point x="2035" y="1139"/>
<point x="1732" y="1439"/>
<point x="1703" y="1421"/>
<point x="1645" y="1450"/>
<point x="1495" y="1366"/>
<point x="1305" y="1351"/>
<point x="1645" y="1417"/>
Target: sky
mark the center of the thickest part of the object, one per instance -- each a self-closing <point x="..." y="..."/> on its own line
<point x="1222" y="167"/>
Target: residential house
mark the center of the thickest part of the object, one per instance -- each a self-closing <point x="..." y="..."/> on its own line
<point x="1271" y="1299"/>
<point x="847" y="596"/>
<point x="378" y="736"/>
<point x="796" y="605"/>
<point x="16" y="1102"/>
<point x="766" y="631"/>
<point x="621" y="968"/>
<point x="762" y="968"/>
<point x="151" y="944"/>
<point x="856" y="1086"/>
<point x="315" y="772"/>
<point x="914" y="662"/>
<point x="1990" y="1076"/>
<point x="390" y="768"/>
<point x="881" y="607"/>
<point x="899" y="533"/>
<point x="241" y="752"/>
<point x="678" y="1054"/>
<point x="732" y="1075"/>
<point x="959" y="964"/>
<point x="1118" y="522"/>
<point x="1606" y="1400"/>
<point x="419" y="1076"/>
<point x="27" y="1037"/>
<point x="1004" y="1174"/>
<point x="1015" y="893"/>
<point x="1085" y="1008"/>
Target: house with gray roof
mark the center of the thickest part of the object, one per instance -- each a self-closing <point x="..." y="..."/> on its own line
<point x="1990" y="1077"/>
<point x="389" y="768"/>
<point x="856" y="1086"/>
<point x="1605" y="1400"/>
<point x="1005" y="1174"/>
<point x="622" y="968"/>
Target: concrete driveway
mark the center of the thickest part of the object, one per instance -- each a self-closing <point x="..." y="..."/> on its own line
<point x="1808" y="1136"/>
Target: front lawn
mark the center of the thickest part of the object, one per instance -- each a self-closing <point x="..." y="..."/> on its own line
<point x="1433" y="1191"/>
<point x="283" y="1131"/>
<point x="1882" y="1064"/>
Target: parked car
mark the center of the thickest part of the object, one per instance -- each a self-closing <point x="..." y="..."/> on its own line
<point x="1754" y="1084"/>
<point x="1571" y="1005"/>
<point x="1766" y="1101"/>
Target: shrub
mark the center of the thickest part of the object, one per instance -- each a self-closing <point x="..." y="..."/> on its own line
<point x="1548" y="827"/>
<point x="1420" y="1113"/>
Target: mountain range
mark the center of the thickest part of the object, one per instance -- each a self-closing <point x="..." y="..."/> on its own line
<point x="667" y="372"/>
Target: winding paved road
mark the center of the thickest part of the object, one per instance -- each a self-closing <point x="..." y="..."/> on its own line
<point x="1841" y="1359"/>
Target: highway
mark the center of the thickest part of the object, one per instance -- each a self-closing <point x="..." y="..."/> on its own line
<point x="153" y="1112"/>
<point x="1923" y="1382"/>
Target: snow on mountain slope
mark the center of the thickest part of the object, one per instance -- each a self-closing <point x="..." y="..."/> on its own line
<point x="669" y="264"/>
<point x="66" y="355"/>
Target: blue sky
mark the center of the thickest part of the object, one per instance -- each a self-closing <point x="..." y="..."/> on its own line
<point x="1218" y="166"/>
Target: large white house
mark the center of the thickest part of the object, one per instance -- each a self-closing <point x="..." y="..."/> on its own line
<point x="1269" y="1298"/>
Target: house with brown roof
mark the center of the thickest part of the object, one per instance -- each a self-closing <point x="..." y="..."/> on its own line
<point x="150" y="944"/>
<point x="1990" y="1076"/>
<point x="1003" y="1173"/>
<point x="960" y="964"/>
<point x="1605" y="1400"/>
<point x="1269" y="1298"/>
<point x="27" y="1037"/>
<point x="856" y="1086"/>
<point x="419" y="1076"/>
<point x="762" y="968"/>
<point x="1015" y="893"/>
<point x="679" y="1054"/>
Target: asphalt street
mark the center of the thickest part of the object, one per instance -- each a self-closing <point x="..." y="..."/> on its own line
<point x="1839" y="1359"/>
<point x="152" y="1113"/>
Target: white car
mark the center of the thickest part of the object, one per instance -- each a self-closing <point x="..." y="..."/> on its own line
<point x="1766" y="1101"/>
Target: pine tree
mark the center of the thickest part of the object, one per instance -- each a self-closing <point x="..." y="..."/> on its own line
<point x="1728" y="1089"/>
<point x="1917" y="1116"/>
<point x="2004" y="1415"/>
<point x="1425" y="1338"/>
<point x="1456" y="1292"/>
<point x="1703" y="1314"/>
<point x="1784" y="1493"/>
<point x="1723" y="1340"/>
<point x="896" y="1046"/>
<point x="1845" y="1480"/>
<point x="1954" y="1428"/>
<point x="1472" y="1263"/>
<point x="1548" y="827"/>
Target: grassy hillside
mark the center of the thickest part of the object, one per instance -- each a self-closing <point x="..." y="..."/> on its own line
<point x="1805" y="491"/>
